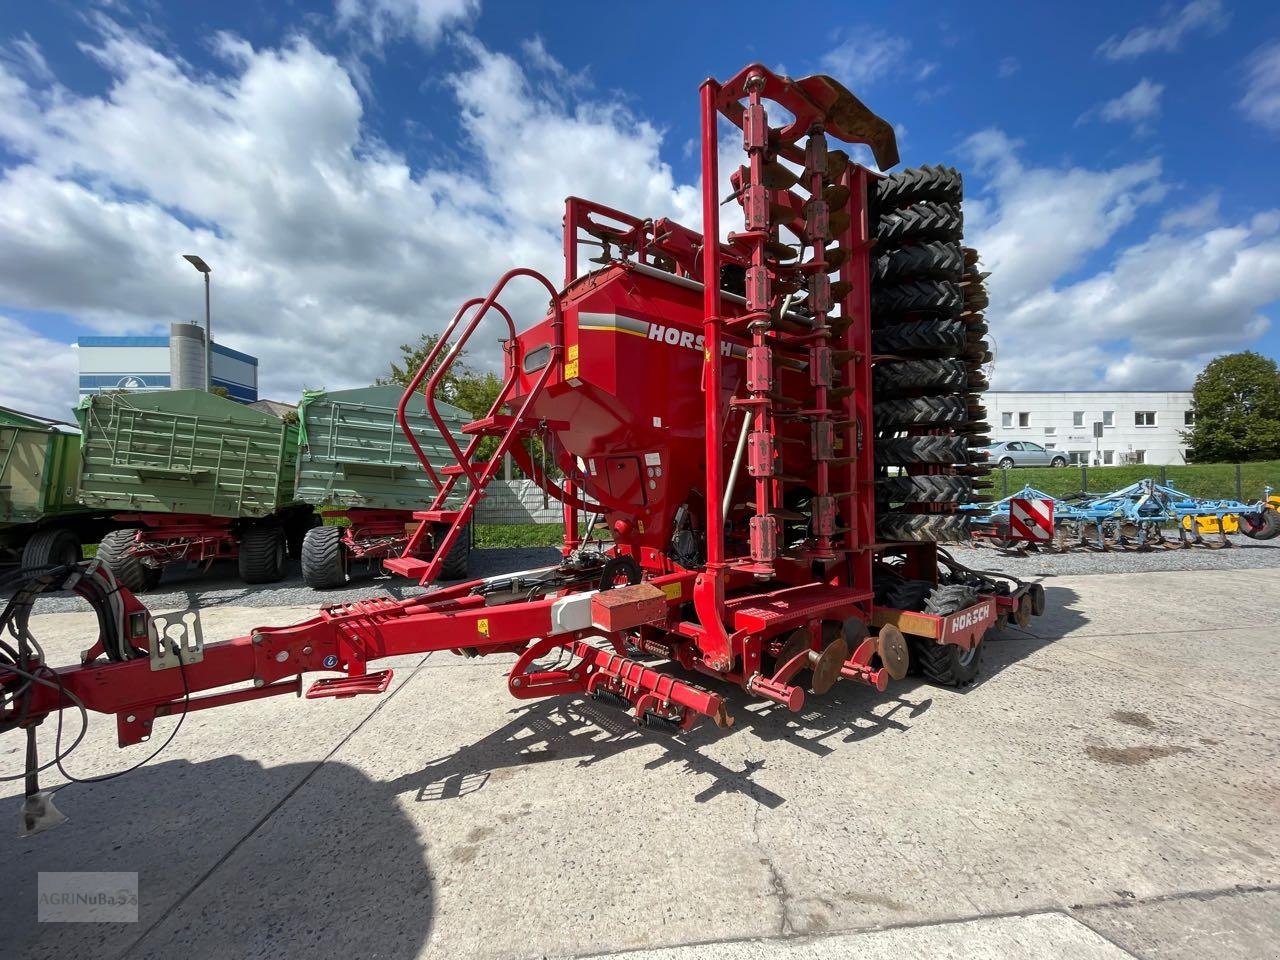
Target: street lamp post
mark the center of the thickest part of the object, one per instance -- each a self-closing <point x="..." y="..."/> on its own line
<point x="203" y="267"/>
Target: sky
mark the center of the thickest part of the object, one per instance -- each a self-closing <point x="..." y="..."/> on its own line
<point x="352" y="170"/>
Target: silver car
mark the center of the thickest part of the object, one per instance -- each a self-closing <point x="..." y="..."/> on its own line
<point x="1023" y="453"/>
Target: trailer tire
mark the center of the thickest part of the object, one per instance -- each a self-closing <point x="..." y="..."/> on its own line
<point x="1261" y="526"/>
<point x="262" y="554"/>
<point x="904" y="451"/>
<point x="936" y="376"/>
<point x="922" y="527"/>
<point x="926" y="489"/>
<point x="919" y="412"/>
<point x="115" y="552"/>
<point x="458" y="562"/>
<point x="938" y="297"/>
<point x="938" y="259"/>
<point x="296" y="527"/>
<point x="946" y="663"/>
<point x="913" y="184"/>
<point x="53" y="546"/>
<point x="938" y="337"/>
<point x="920" y="222"/>
<point x="324" y="559"/>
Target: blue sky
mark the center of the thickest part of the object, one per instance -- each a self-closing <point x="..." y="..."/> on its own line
<point x="353" y="169"/>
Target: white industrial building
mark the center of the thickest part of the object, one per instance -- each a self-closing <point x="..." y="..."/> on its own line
<point x="1137" y="426"/>
<point x="162" y="363"/>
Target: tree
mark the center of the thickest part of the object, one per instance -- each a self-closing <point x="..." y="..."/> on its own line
<point x="1236" y="403"/>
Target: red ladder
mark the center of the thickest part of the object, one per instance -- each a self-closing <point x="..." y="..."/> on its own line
<point x="507" y="427"/>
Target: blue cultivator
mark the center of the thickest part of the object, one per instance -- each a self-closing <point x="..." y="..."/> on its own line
<point x="1133" y="518"/>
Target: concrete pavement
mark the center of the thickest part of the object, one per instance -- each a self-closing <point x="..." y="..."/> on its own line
<point x="1110" y="789"/>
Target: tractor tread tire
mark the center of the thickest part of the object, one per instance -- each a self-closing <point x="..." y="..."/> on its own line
<point x="945" y="337"/>
<point x="52" y="546"/>
<point x="938" y="259"/>
<point x="919" y="412"/>
<point x="920" y="222"/>
<point x="941" y="376"/>
<point x="926" y="489"/>
<point x="458" y="562"/>
<point x="130" y="572"/>
<point x="946" y="664"/>
<point x="261" y="554"/>
<point x="903" y="451"/>
<point x="324" y="565"/>
<point x="922" y="527"/>
<point x="913" y="184"/>
<point x="908" y="595"/>
<point x="937" y="297"/>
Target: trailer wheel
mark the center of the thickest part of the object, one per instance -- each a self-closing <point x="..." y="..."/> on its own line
<point x="116" y="553"/>
<point x="1255" y="526"/>
<point x="262" y="553"/>
<point x="297" y="526"/>
<point x="947" y="663"/>
<point x="55" y="546"/>
<point x="458" y="562"/>
<point x="324" y="558"/>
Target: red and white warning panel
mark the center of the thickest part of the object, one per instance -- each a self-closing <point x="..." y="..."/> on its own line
<point x="1031" y="519"/>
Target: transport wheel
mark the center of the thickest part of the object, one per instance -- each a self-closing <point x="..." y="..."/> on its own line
<point x="131" y="572"/>
<point x="619" y="572"/>
<point x="1058" y="462"/>
<point x="262" y="554"/>
<point x="947" y="664"/>
<point x="55" y="546"/>
<point x="1256" y="526"/>
<point x="458" y="562"/>
<point x="933" y="337"/>
<point x="324" y="559"/>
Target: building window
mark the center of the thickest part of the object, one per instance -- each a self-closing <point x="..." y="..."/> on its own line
<point x="1108" y="457"/>
<point x="1144" y="418"/>
<point x="1108" y="418"/>
<point x="1139" y="456"/>
<point x="1189" y="418"/>
<point x="1077" y="418"/>
<point x="1078" y="456"/>
<point x="1050" y="431"/>
<point x="1024" y="419"/>
<point x="1051" y="446"/>
<point x="1006" y="419"/>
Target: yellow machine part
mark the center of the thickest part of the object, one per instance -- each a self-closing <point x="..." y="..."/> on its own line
<point x="1230" y="523"/>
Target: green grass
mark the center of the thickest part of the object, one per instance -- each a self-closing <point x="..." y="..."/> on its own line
<point x="499" y="535"/>
<point x="1210" y="481"/>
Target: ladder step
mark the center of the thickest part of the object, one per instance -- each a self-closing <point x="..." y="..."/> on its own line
<point x="437" y="516"/>
<point x="409" y="567"/>
<point x="350" y="686"/>
<point x="501" y="423"/>
<point x="453" y="470"/>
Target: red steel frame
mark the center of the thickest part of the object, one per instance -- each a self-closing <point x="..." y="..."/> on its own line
<point x="751" y="614"/>
<point x="174" y="537"/>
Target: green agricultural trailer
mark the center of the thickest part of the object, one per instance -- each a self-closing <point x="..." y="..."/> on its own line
<point x="356" y="465"/>
<point x="41" y="521"/>
<point x="194" y="478"/>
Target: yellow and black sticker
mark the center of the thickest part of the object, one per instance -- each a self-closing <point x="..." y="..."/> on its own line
<point x="482" y="626"/>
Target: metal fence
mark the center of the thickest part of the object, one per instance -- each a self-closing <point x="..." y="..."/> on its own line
<point x="517" y="501"/>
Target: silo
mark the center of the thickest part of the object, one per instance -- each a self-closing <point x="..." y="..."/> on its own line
<point x="186" y="356"/>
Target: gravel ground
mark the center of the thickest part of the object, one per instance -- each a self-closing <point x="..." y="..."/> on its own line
<point x="183" y="588"/>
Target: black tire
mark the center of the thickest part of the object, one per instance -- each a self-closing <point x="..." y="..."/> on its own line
<point x="919" y="412"/>
<point x="908" y="595"/>
<point x="927" y="489"/>
<point x="891" y="378"/>
<point x="53" y="546"/>
<point x="116" y="553"/>
<point x="902" y="451"/>
<point x="912" y="184"/>
<point x="324" y="559"/>
<point x="947" y="664"/>
<point x="262" y="554"/>
<point x="938" y="259"/>
<point x="935" y="338"/>
<point x="935" y="297"/>
<point x="1260" y="526"/>
<point x="296" y="527"/>
<point x="922" y="527"/>
<point x="920" y="222"/>
<point x="1005" y="463"/>
<point x="458" y="562"/>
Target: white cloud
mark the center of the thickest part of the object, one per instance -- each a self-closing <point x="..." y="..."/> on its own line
<point x="25" y="55"/>
<point x="1195" y="216"/>
<point x="1167" y="35"/>
<point x="1135" y="106"/>
<point x="1261" y="102"/>
<point x="36" y="371"/>
<point x="1156" y="310"/>
<point x="1008" y="66"/>
<point x="328" y="248"/>
<point x="382" y="21"/>
<point x="868" y="56"/>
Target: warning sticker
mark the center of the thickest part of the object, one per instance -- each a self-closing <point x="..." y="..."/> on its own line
<point x="653" y="459"/>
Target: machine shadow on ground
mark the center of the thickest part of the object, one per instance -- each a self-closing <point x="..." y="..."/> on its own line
<point x="226" y="849"/>
<point x="588" y="732"/>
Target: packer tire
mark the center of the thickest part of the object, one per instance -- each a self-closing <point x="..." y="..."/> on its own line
<point x="324" y="558"/>
<point x="261" y="554"/>
<point x="926" y="489"/>
<point x="116" y="553"/>
<point x="920" y="222"/>
<point x="922" y="527"/>
<point x="946" y="664"/>
<point x="913" y="184"/>
<point x="937" y="297"/>
<point x="458" y="562"/>
<point x="919" y="412"/>
<point x="903" y="451"/>
<point x="890" y="378"/>
<point x="944" y="338"/>
<point x="937" y="259"/>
